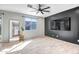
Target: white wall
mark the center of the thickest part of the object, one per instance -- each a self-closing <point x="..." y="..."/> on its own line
<point x="6" y="23"/>
<point x="19" y="17"/>
<point x="35" y="33"/>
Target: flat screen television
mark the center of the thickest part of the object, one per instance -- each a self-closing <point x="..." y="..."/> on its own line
<point x="61" y="24"/>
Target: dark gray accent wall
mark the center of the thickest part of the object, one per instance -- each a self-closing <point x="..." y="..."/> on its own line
<point x="70" y="36"/>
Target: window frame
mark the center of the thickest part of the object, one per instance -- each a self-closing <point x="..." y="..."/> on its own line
<point x="31" y="20"/>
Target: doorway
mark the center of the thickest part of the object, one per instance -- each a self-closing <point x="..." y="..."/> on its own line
<point x="14" y="30"/>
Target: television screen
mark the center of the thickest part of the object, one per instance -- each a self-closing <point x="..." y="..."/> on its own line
<point x="61" y="24"/>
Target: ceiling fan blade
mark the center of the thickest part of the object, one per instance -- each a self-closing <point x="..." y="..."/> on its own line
<point x="42" y="12"/>
<point x="30" y="6"/>
<point x="46" y="8"/>
<point x="34" y="8"/>
<point x="46" y="11"/>
<point x="39" y="6"/>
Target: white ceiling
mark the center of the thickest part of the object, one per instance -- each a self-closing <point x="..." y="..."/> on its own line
<point x="22" y="8"/>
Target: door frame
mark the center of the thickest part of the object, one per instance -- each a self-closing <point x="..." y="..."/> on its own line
<point x="11" y="26"/>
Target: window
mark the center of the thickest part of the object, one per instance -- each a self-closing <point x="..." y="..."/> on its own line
<point x="30" y="24"/>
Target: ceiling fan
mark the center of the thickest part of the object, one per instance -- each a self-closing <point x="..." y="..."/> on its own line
<point x="39" y="8"/>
